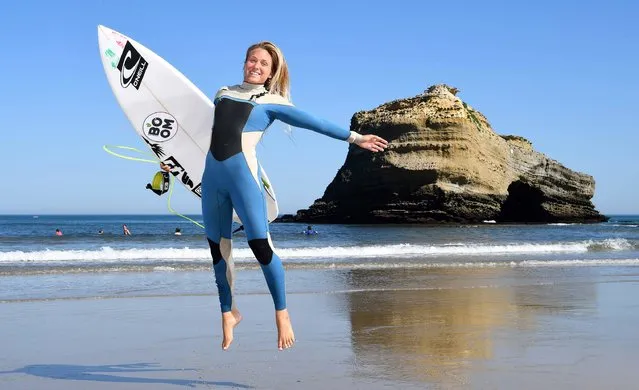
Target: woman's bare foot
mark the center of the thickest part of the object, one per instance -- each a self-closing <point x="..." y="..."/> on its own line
<point x="285" y="336"/>
<point x="230" y="320"/>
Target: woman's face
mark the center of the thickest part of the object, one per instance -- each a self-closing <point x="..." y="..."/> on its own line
<point x="257" y="68"/>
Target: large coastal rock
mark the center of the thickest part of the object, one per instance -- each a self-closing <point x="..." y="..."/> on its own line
<point x="446" y="164"/>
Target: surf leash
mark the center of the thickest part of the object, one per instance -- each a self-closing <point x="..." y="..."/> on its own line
<point x="154" y="160"/>
<point x="108" y="150"/>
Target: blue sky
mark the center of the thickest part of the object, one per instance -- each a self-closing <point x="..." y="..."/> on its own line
<point x="562" y="74"/>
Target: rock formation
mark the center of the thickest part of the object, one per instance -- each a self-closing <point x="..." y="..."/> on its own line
<point x="446" y="164"/>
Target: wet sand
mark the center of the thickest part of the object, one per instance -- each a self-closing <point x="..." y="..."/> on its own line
<point x="453" y="329"/>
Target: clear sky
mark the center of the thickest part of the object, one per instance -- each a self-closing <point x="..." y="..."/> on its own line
<point x="562" y="74"/>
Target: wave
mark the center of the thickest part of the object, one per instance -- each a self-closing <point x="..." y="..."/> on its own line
<point x="496" y="264"/>
<point x="107" y="254"/>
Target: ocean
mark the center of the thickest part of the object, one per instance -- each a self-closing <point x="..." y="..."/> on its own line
<point x="35" y="264"/>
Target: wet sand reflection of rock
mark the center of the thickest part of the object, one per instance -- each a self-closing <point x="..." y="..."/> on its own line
<point x="438" y="332"/>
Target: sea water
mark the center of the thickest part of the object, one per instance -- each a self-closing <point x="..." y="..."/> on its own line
<point x="36" y="264"/>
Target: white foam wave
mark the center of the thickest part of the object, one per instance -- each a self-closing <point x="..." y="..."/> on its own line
<point x="576" y="263"/>
<point x="164" y="269"/>
<point x="495" y="264"/>
<point x="111" y="255"/>
<point x="618" y="244"/>
<point x="105" y="254"/>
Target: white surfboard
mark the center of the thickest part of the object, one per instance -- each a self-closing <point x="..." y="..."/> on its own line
<point x="173" y="117"/>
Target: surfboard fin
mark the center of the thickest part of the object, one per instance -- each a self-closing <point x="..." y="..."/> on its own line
<point x="238" y="229"/>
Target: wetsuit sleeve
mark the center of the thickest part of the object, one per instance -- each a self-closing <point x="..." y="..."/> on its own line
<point x="298" y="118"/>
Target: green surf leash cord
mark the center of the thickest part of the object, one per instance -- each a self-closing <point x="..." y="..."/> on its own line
<point x="154" y="160"/>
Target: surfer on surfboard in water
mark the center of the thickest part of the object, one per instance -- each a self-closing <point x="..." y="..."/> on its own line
<point x="232" y="178"/>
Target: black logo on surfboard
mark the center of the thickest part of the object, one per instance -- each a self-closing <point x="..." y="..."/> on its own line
<point x="132" y="67"/>
<point x="160" y="126"/>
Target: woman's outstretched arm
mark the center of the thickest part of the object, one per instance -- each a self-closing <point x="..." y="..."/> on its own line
<point x="298" y="118"/>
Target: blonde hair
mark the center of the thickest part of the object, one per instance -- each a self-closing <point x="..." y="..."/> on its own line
<point x="278" y="83"/>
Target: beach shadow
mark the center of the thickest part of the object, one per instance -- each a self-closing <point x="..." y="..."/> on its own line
<point x="103" y="374"/>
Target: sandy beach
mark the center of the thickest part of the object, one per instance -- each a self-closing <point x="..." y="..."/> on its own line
<point x="475" y="329"/>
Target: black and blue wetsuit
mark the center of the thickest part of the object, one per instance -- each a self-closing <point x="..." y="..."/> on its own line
<point x="232" y="180"/>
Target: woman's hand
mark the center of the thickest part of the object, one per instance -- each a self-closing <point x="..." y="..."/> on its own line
<point x="165" y="167"/>
<point x="371" y="142"/>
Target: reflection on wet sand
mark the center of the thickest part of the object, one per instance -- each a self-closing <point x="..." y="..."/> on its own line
<point x="440" y="331"/>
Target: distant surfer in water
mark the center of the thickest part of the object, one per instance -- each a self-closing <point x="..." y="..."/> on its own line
<point x="309" y="230"/>
<point x="232" y="177"/>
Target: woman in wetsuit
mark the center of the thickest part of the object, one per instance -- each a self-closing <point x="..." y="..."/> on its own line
<point x="231" y="178"/>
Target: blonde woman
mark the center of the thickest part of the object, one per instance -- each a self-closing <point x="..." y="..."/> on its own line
<point x="231" y="178"/>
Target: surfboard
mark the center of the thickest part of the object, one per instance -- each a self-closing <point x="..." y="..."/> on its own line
<point x="171" y="115"/>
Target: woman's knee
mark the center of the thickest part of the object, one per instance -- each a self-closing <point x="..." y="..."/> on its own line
<point x="216" y="254"/>
<point x="262" y="250"/>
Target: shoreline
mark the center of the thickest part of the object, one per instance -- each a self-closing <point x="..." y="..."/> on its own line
<point x="494" y="329"/>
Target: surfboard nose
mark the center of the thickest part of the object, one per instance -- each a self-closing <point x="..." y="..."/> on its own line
<point x="105" y="30"/>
